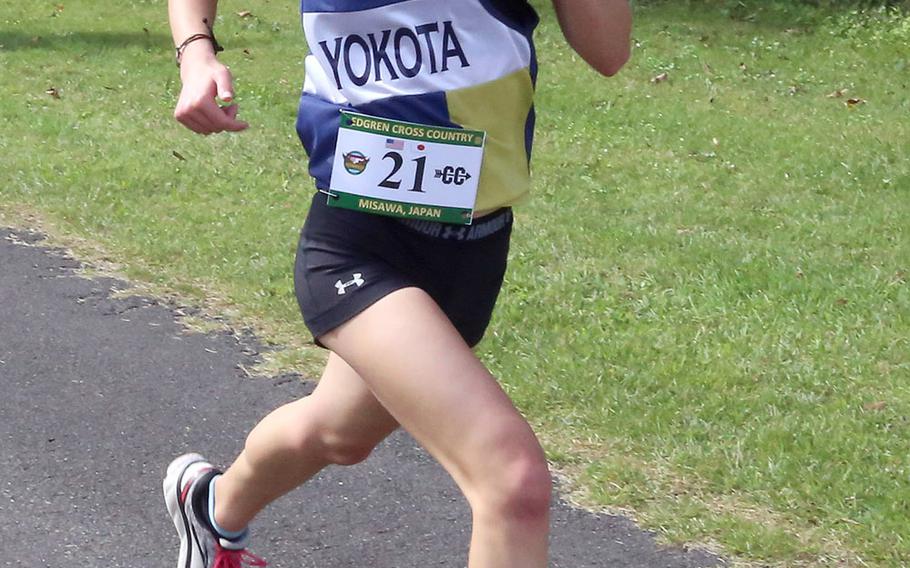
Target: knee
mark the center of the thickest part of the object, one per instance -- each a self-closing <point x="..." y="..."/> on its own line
<point x="528" y="489"/>
<point x="522" y="489"/>
<point x="334" y="445"/>
<point x="297" y="433"/>
<point x="341" y="449"/>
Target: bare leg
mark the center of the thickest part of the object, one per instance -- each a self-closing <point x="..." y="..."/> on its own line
<point x="429" y="380"/>
<point x="340" y="423"/>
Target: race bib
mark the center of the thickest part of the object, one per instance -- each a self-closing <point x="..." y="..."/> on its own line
<point x="408" y="170"/>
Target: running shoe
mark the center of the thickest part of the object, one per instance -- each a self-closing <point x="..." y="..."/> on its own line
<point x="185" y="489"/>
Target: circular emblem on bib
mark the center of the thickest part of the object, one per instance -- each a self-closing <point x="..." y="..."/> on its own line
<point x="355" y="162"/>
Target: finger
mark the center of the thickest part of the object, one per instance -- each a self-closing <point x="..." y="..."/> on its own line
<point x="225" y="84"/>
<point x="197" y="127"/>
<point x="224" y="119"/>
<point x="216" y="118"/>
<point x="187" y="114"/>
<point x="186" y="117"/>
<point x="210" y="118"/>
<point x="231" y="112"/>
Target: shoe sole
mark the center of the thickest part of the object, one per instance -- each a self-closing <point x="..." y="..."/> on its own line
<point x="171" y="486"/>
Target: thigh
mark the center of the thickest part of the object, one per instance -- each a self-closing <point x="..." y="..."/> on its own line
<point x="347" y="408"/>
<point x="425" y="375"/>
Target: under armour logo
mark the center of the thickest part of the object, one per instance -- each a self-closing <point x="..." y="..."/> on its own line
<point x="357" y="280"/>
<point x="453" y="232"/>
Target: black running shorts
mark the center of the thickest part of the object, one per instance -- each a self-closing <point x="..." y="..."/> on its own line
<point x="347" y="260"/>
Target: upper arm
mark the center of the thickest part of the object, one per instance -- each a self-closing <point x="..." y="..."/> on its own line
<point x="598" y="30"/>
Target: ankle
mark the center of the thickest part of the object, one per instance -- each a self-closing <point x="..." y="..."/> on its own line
<point x="223" y="525"/>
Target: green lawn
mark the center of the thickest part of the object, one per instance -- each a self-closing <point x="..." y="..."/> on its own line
<point x="707" y="314"/>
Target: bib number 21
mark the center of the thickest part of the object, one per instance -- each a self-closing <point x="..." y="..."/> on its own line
<point x="398" y="162"/>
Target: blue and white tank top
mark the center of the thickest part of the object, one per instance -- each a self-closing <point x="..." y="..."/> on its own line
<point x="455" y="63"/>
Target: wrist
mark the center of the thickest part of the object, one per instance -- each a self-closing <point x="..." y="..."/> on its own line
<point x="196" y="45"/>
<point x="195" y="51"/>
<point x="207" y="37"/>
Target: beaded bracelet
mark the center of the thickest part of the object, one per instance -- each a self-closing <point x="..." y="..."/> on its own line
<point x="209" y="36"/>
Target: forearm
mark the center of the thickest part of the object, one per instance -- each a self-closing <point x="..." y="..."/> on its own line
<point x="189" y="17"/>
<point x="598" y="30"/>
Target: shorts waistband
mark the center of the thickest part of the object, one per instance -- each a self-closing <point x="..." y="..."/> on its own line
<point x="481" y="228"/>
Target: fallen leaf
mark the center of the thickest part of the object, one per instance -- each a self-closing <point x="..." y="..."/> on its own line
<point x="53" y="92"/>
<point x="855" y="102"/>
<point x="836" y="94"/>
<point x="660" y="78"/>
<point x="178" y="155"/>
<point x="877" y="405"/>
<point x="841" y="302"/>
<point x="244" y="13"/>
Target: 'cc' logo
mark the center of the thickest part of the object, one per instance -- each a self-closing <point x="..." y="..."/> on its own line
<point x="450" y="174"/>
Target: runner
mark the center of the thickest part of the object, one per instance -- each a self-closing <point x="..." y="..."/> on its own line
<point x="417" y="117"/>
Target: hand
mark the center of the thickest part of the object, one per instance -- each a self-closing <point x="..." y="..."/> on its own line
<point x="204" y="78"/>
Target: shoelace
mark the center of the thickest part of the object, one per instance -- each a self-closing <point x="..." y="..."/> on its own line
<point x="226" y="558"/>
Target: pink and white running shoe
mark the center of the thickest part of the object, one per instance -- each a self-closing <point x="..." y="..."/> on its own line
<point x="185" y="492"/>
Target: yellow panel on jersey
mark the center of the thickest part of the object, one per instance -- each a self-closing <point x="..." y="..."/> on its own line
<point x="500" y="108"/>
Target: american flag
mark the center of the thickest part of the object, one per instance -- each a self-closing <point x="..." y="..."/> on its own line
<point x="394" y="144"/>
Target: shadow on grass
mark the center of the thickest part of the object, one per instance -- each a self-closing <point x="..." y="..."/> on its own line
<point x="20" y="40"/>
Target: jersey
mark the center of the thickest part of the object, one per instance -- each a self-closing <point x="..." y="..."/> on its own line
<point x="455" y="63"/>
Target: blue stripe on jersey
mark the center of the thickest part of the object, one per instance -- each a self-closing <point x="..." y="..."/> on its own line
<point x="344" y="5"/>
<point x="317" y="127"/>
<point x="529" y="132"/>
<point x="318" y="119"/>
<point x="520" y="16"/>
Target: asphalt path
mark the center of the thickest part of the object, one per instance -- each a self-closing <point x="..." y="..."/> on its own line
<point x="99" y="393"/>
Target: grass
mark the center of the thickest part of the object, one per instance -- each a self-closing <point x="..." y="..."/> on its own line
<point x="708" y="307"/>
